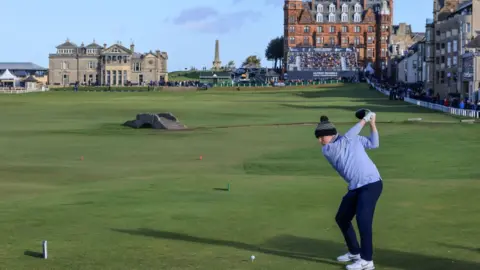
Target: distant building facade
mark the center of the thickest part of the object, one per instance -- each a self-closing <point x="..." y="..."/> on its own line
<point x="361" y="24"/>
<point x="101" y="65"/>
<point x="429" y="56"/>
<point x="455" y="24"/>
<point x="410" y="69"/>
<point x="401" y="40"/>
<point x="471" y="69"/>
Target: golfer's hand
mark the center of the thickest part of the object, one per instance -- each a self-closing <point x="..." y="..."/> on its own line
<point x="373" y="119"/>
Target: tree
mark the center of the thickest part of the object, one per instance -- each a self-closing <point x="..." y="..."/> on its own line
<point x="274" y="50"/>
<point x="231" y="64"/>
<point x="252" y="61"/>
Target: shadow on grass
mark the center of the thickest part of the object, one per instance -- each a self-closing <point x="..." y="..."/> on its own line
<point x="220" y="189"/>
<point x="316" y="250"/>
<point x="460" y="247"/>
<point x="33" y="254"/>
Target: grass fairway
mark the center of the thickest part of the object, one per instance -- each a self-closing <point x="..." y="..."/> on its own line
<point x="142" y="199"/>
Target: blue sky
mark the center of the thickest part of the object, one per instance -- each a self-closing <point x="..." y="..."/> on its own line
<point x="185" y="29"/>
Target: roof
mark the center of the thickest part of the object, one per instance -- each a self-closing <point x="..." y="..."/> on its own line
<point x="7" y="75"/>
<point x="94" y="45"/>
<point x="20" y="66"/>
<point x="475" y="43"/>
<point x="67" y="44"/>
<point x="418" y="36"/>
<point x="30" y="79"/>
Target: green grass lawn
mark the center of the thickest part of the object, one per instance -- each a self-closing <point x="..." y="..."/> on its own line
<point x="142" y="199"/>
<point x="183" y="76"/>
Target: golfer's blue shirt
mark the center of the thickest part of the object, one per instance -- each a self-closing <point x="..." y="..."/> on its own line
<point x="347" y="155"/>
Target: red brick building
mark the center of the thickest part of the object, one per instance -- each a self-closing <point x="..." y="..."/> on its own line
<point x="361" y="24"/>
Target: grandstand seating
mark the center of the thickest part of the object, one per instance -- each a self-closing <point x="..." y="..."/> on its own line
<point x="322" y="60"/>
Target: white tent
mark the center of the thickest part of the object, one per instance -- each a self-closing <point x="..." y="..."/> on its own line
<point x="8" y="77"/>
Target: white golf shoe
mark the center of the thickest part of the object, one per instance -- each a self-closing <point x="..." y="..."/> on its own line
<point x="348" y="257"/>
<point x="361" y="265"/>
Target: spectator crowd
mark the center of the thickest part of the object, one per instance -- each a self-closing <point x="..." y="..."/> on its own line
<point x="324" y="60"/>
<point x="417" y="91"/>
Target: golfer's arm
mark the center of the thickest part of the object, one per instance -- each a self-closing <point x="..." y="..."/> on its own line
<point x="355" y="130"/>
<point x="374" y="139"/>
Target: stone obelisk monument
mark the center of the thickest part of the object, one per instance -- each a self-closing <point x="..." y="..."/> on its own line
<point x="217" y="64"/>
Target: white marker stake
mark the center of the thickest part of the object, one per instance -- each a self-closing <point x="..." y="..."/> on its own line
<point x="45" y="252"/>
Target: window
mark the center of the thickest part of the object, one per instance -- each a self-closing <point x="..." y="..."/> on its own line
<point x="306" y="29"/>
<point x="306" y="40"/>
<point x="115" y="50"/>
<point x="344" y="29"/>
<point x="344" y="40"/>
<point x="292" y="41"/>
<point x="344" y="17"/>
<point x="370" y="40"/>
<point x="345" y="8"/>
<point x="332" y="41"/>
<point x="120" y="77"/>
<point x="370" y="53"/>
<point x="449" y="47"/>
<point x="125" y="76"/>
<point x="454" y="61"/>
<point x="91" y="65"/>
<point x="291" y="29"/>
<point x="358" y="8"/>
<point x="331" y="17"/>
<point x="357" y="17"/>
<point x="455" y="46"/>
<point x="332" y="29"/>
<point x="291" y="19"/>
<point x="114" y="75"/>
<point x="332" y="8"/>
<point x="319" y="8"/>
<point x="384" y="53"/>
<point x="467" y="27"/>
<point x="370" y="29"/>
<point x="356" y="41"/>
<point x="357" y="29"/>
<point x="138" y="67"/>
<point x="319" y="29"/>
<point x="319" y="40"/>
<point x="449" y="62"/>
<point x="319" y="17"/>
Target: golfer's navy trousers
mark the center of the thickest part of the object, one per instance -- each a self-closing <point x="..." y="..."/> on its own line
<point x="360" y="202"/>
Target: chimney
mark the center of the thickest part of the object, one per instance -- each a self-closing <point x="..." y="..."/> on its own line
<point x="104" y="45"/>
<point x="158" y="53"/>
<point x="401" y="29"/>
<point x="132" y="47"/>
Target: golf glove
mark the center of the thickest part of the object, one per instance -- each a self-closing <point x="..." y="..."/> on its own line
<point x="369" y="116"/>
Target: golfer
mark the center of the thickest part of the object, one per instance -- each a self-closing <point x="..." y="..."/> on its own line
<point x="347" y="155"/>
